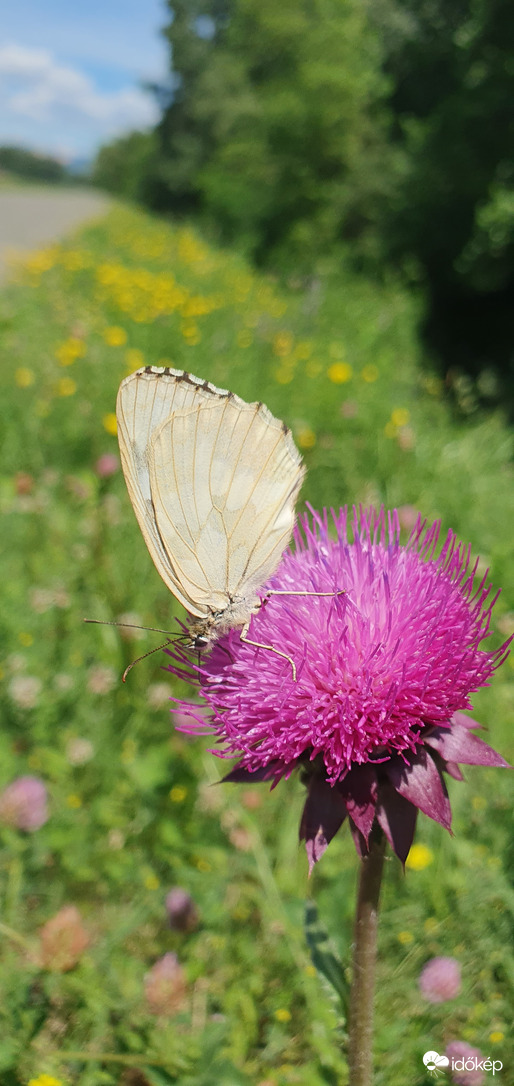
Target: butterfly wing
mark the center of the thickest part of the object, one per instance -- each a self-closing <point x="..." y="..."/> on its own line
<point x="224" y="477"/>
<point x="145" y="399"/>
<point x="213" y="481"/>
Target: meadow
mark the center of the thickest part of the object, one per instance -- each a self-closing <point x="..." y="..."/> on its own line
<point x="134" y="808"/>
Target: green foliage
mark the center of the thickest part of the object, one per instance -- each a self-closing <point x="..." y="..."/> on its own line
<point x="453" y="211"/>
<point x="324" y="958"/>
<point x="31" y="166"/>
<point x="276" y="128"/>
<point x="127" y="166"/>
<point x="295" y="127"/>
<point x="142" y="811"/>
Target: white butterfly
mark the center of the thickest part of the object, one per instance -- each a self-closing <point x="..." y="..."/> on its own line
<point x="213" y="481"/>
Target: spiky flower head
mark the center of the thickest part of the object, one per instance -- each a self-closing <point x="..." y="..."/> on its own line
<point x="385" y="663"/>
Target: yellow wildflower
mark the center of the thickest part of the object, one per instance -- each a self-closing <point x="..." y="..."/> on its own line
<point x="66" y="387"/>
<point x="67" y="352"/>
<point x="496" y="1036"/>
<point x="41" y="261"/>
<point x="190" y="250"/>
<point x="134" y="358"/>
<point x="283" y="1015"/>
<point x="107" y="274"/>
<point x="306" y="437"/>
<point x="400" y="416"/>
<point x="420" y="856"/>
<point x="303" y="350"/>
<point x="110" y="424"/>
<point x="74" y="801"/>
<point x="74" y="261"/>
<point x="26" y="639"/>
<point x="284" y="376"/>
<point x="178" y="793"/>
<point x="191" y="334"/>
<point x="339" y="373"/>
<point x="115" y="336"/>
<point x="405" y="937"/>
<point x="282" y="344"/>
<point x="370" y="374"/>
<point x="151" y="881"/>
<point x="24" y="377"/>
<point x="45" y="1080"/>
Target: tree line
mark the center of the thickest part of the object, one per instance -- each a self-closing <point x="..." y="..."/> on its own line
<point x="384" y="127"/>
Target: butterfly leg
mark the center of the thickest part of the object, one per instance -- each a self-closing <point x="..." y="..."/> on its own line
<point x="257" y="644"/>
<point x="300" y="592"/>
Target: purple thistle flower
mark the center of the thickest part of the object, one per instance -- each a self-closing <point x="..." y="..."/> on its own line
<point x="383" y="672"/>
<point x="23" y="804"/>
<point x="440" y="980"/>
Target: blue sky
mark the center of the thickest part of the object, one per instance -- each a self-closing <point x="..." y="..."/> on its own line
<point x="71" y="74"/>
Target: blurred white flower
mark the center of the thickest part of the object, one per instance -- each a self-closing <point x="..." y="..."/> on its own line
<point x="158" y="695"/>
<point x="61" y="598"/>
<point x="16" y="662"/>
<point x="101" y="679"/>
<point x="79" y="751"/>
<point x="25" y="690"/>
<point x="116" y="840"/>
<point x="63" y="682"/>
<point x="41" y="600"/>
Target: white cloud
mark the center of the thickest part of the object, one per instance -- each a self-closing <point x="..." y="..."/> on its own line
<point x="37" y="89"/>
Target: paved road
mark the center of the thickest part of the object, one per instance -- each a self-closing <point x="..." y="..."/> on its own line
<point x="32" y="218"/>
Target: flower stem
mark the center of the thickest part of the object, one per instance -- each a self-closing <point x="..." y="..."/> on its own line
<point x="360" y="1044"/>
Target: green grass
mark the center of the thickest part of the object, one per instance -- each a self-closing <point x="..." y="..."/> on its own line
<point x="340" y="362"/>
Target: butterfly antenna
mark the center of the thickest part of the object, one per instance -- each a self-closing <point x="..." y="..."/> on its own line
<point x="143" y="657"/>
<point x="129" y="625"/>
